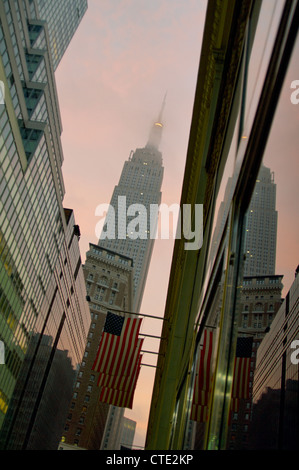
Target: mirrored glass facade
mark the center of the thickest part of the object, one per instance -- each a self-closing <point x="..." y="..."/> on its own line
<point x="244" y="120"/>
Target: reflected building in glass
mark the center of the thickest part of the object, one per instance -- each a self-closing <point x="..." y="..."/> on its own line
<point x="260" y="296"/>
<point x="260" y="301"/>
<point x="44" y="315"/>
<point x="261" y="229"/>
<point x="275" y="417"/>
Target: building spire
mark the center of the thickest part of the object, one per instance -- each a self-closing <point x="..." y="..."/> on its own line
<point x="156" y="130"/>
<point x="162" y="108"/>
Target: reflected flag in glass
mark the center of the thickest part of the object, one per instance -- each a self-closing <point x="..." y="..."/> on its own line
<point x="203" y="379"/>
<point x="241" y="378"/>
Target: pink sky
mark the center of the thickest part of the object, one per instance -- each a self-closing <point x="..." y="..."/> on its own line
<point x="111" y="82"/>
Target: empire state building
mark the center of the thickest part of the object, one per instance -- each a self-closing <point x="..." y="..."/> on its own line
<point x="140" y="183"/>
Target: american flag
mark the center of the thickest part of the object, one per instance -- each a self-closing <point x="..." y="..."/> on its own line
<point x="118" y="360"/>
<point x="120" y="381"/>
<point x="199" y="413"/>
<point x="240" y="387"/>
<point x="117" y="345"/>
<point x="122" y="398"/>
<point x="203" y="379"/>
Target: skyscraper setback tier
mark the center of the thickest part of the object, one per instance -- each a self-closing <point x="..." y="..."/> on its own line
<point x="261" y="227"/>
<point x="63" y="18"/>
<point x="140" y="183"/>
<point x="44" y="316"/>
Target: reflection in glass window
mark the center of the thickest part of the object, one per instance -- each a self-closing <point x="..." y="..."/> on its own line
<point x="273" y="388"/>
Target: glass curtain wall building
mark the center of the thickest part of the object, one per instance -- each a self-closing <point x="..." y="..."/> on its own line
<point x="242" y="103"/>
<point x="62" y="19"/>
<point x="44" y="316"/>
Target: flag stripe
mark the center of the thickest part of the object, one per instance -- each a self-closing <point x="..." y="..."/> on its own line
<point x="121" y="398"/>
<point x="106" y="345"/>
<point x="241" y="379"/>
<point x="203" y="378"/>
<point x="129" y="348"/>
<point x="117" y="352"/>
<point x="199" y="413"/>
<point x="119" y="380"/>
<point x="118" y="360"/>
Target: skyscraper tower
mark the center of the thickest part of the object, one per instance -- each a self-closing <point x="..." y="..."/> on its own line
<point x="44" y="316"/>
<point x="140" y="183"/>
<point x="261" y="229"/>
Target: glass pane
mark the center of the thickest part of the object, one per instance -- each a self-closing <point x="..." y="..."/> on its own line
<point x="272" y="313"/>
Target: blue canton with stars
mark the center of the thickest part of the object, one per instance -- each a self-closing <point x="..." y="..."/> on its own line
<point x="113" y="324"/>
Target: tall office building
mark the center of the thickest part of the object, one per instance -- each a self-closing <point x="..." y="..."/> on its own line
<point x="44" y="315"/>
<point x="128" y="433"/>
<point x="261" y="230"/>
<point x="140" y="183"/>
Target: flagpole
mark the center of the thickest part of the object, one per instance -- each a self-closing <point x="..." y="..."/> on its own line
<point x="151" y="336"/>
<point x="150" y="365"/>
<point x="152" y="352"/>
<point x="130" y="313"/>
